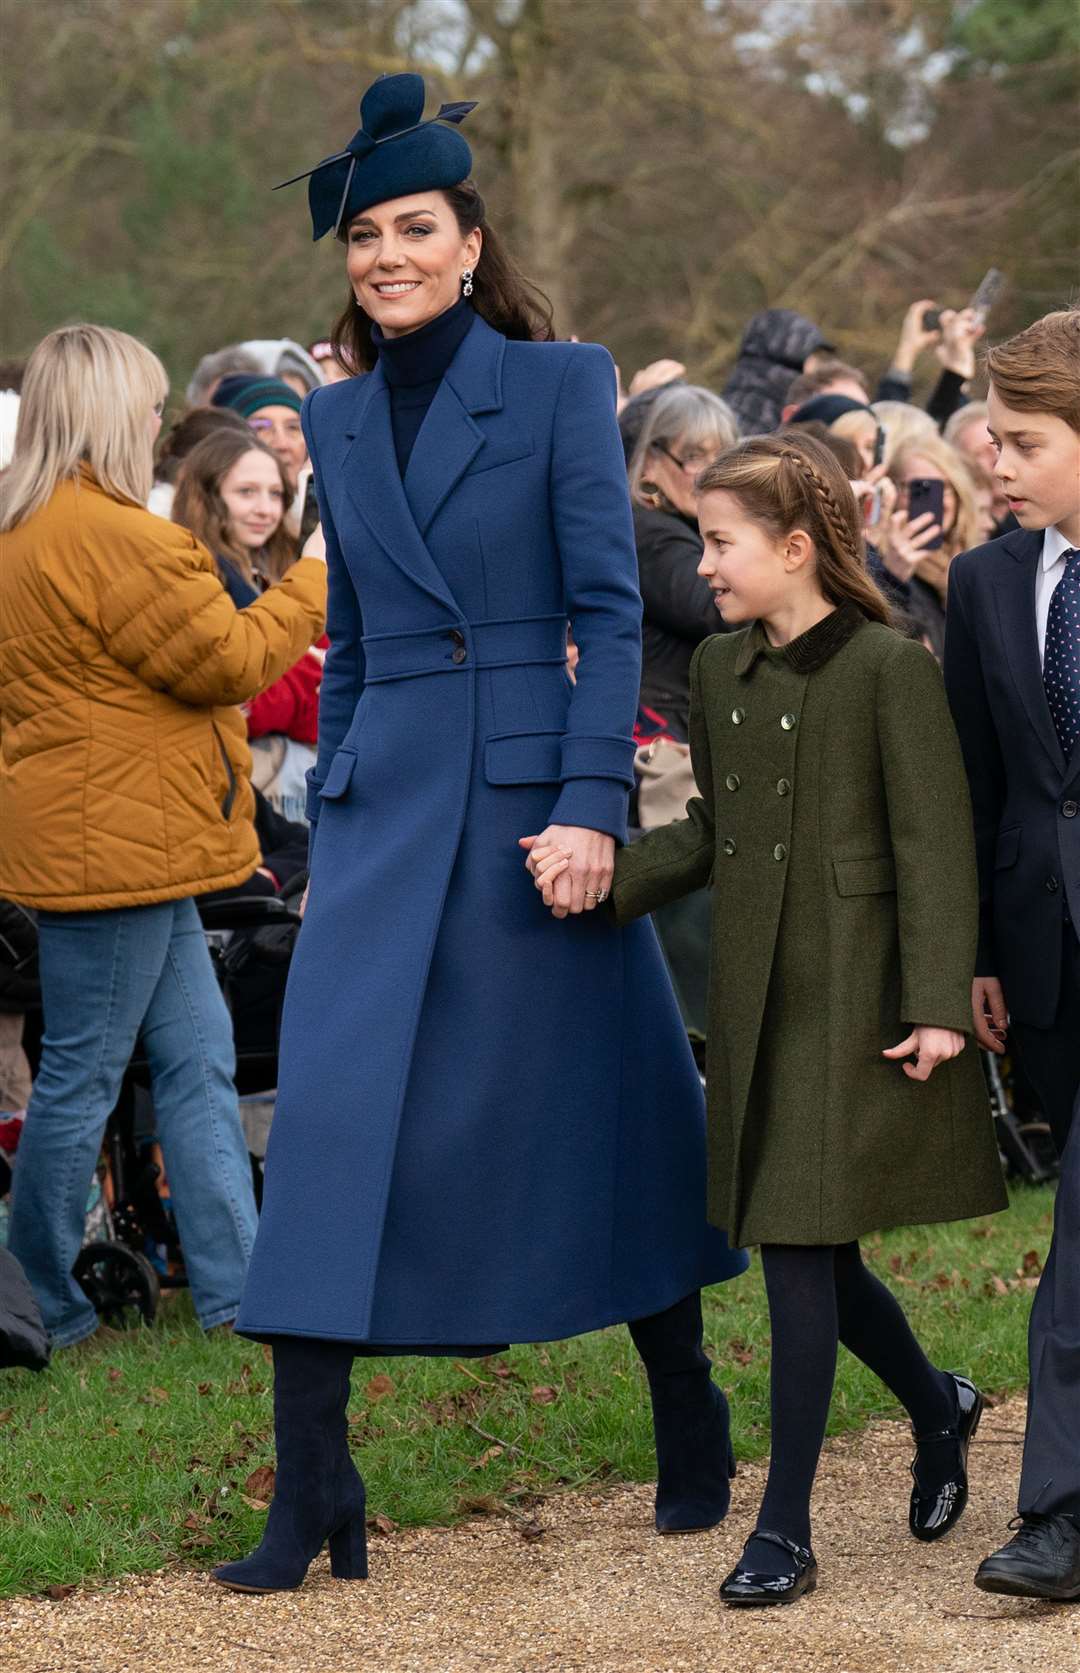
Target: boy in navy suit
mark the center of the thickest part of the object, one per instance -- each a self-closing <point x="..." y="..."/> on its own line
<point x="1012" y="669"/>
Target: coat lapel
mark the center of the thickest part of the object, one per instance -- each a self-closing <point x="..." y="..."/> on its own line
<point x="449" y="440"/>
<point x="374" y="486"/>
<point x="1016" y="616"/>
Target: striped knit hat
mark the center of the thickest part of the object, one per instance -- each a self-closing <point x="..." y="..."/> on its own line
<point x="247" y="395"/>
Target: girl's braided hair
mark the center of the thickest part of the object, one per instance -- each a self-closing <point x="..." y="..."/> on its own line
<point x="788" y="481"/>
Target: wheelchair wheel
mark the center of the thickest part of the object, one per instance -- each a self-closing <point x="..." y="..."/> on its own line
<point x="120" y="1284"/>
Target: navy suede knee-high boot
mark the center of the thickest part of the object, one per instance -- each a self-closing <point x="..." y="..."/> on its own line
<point x="694" y="1460"/>
<point x="318" y="1494"/>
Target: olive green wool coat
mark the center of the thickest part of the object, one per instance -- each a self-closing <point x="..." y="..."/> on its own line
<point x="834" y="828"/>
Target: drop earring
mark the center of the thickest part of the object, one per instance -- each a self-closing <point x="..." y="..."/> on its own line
<point x="467" y="282"/>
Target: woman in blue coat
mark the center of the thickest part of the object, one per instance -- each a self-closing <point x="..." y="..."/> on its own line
<point x="451" y="1168"/>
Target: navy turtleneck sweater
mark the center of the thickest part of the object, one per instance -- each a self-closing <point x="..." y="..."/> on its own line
<point x="413" y="366"/>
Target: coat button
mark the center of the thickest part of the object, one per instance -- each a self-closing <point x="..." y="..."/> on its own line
<point x="779" y="852"/>
<point x="1051" y="885"/>
<point x="787" y="722"/>
<point x="729" y="845"/>
<point x="732" y="781"/>
<point x="1070" y="809"/>
<point x="459" y="654"/>
<point x="783" y="787"/>
<point x="738" y="716"/>
<point x="456" y="636"/>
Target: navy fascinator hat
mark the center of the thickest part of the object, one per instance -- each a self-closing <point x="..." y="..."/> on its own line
<point x="393" y="152"/>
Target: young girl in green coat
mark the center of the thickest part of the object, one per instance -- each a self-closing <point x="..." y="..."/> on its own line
<point x="834" y="828"/>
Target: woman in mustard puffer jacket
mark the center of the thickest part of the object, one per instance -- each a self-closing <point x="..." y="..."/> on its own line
<point x="124" y="792"/>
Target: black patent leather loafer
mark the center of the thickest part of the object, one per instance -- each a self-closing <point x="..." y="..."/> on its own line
<point x="1041" y="1560"/>
<point x="933" y="1514"/>
<point x="746" y="1586"/>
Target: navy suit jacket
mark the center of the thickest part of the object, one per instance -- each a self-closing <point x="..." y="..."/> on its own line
<point x="1025" y="794"/>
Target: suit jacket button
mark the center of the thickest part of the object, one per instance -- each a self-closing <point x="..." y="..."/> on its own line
<point x="729" y="845"/>
<point x="738" y="716"/>
<point x="458" y="654"/>
<point x="1051" y="885"/>
<point x="783" y="787"/>
<point x="787" y="722"/>
<point x="779" y="852"/>
<point x="732" y="781"/>
<point x="1070" y="809"/>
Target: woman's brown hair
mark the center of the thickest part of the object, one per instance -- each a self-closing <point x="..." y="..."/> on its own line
<point x="501" y="293"/>
<point x="1038" y="370"/>
<point x="790" y="481"/>
<point x="198" y="505"/>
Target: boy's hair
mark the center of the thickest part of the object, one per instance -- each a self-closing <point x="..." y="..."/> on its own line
<point x="790" y="481"/>
<point x="1038" y="370"/>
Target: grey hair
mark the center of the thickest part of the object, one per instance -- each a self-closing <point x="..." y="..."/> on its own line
<point x="682" y="412"/>
<point x="223" y="363"/>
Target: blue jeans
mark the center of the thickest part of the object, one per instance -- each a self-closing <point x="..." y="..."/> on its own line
<point x="106" y="976"/>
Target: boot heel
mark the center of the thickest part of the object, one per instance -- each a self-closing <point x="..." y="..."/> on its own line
<point x="348" y="1550"/>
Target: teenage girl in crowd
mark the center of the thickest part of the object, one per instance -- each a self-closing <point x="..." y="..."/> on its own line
<point x="232" y="493"/>
<point x="834" y="826"/>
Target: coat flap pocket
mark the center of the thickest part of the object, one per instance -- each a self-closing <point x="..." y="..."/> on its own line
<point x="523" y="758"/>
<point x="1008" y="848"/>
<point x="866" y="877"/>
<point x="340" y="775"/>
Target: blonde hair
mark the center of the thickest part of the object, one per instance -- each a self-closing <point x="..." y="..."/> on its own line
<point x="964" y="532"/>
<point x="856" y="426"/>
<point x="791" y="481"/>
<point x="681" y="412"/>
<point x="86" y="399"/>
<point x="902" y="423"/>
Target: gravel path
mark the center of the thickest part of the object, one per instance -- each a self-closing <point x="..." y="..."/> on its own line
<point x="586" y="1587"/>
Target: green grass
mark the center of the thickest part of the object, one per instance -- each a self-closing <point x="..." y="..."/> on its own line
<point x="134" y="1452"/>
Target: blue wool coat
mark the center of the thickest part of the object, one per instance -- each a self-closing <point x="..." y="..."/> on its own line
<point x="489" y="1127"/>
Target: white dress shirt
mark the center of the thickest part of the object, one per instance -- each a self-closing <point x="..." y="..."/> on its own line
<point x="1051" y="569"/>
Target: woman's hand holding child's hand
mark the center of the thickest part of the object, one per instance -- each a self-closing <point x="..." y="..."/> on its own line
<point x="571" y="866"/>
<point x="929" y="1047"/>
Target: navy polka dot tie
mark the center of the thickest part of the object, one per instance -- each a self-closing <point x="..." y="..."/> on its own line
<point x="1061" y="661"/>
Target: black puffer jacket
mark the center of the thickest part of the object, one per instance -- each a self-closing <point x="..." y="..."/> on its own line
<point x="773" y="350"/>
<point x="679" y="610"/>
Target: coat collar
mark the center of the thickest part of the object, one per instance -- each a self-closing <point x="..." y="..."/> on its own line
<point x="811" y="650"/>
<point x="399" y="513"/>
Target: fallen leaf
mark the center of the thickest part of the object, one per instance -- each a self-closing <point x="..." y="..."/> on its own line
<point x="7" y="1414"/>
<point x="380" y="1387"/>
<point x="204" y="1388"/>
<point x="739" y="1351"/>
<point x="485" y="1458"/>
<point x="114" y="1374"/>
<point x="192" y="1520"/>
<point x="999" y="1286"/>
<point x="6" y="1510"/>
<point x="981" y="1231"/>
<point x="382" y="1525"/>
<point x="255" y="1504"/>
<point x="260" y="1483"/>
<point x="58" y="1593"/>
<point x="154" y="1397"/>
<point x="533" y="1529"/>
<point x="37" y="1498"/>
<point x="544" y="1396"/>
<point x="1031" y="1266"/>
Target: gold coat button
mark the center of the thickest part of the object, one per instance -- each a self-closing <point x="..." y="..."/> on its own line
<point x="783" y="787"/>
<point x="779" y="852"/>
<point x="738" y="716"/>
<point x="729" y="845"/>
<point x="787" y="722"/>
<point x="732" y="781"/>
